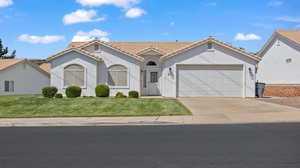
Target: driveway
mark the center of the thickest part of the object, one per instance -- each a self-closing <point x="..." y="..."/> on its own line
<point x="240" y="110"/>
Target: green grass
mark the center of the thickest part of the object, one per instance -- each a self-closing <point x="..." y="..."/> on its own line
<point x="37" y="106"/>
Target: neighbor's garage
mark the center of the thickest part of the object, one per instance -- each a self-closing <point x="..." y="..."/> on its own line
<point x="210" y="81"/>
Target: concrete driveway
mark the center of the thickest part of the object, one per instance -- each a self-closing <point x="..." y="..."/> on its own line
<point x="238" y="110"/>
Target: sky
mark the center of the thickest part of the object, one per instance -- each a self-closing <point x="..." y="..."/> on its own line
<point x="40" y="28"/>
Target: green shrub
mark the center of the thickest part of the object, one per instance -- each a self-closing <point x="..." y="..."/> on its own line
<point x="59" y="96"/>
<point x="73" y="91"/>
<point x="102" y="91"/>
<point x="49" y="92"/>
<point x="133" y="94"/>
<point x="120" y="95"/>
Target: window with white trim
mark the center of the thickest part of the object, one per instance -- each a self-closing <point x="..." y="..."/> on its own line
<point x="9" y="86"/>
<point x="118" y="76"/>
<point x="74" y="75"/>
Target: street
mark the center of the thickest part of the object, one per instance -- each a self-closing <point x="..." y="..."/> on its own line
<point x="207" y="146"/>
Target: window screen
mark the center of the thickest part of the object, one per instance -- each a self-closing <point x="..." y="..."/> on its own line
<point x="117" y="76"/>
<point x="74" y="75"/>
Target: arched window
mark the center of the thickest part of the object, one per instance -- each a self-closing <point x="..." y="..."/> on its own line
<point x="151" y="63"/>
<point x="74" y="75"/>
<point x="117" y="75"/>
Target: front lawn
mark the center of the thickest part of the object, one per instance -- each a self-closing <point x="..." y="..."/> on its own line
<point x="37" y="106"/>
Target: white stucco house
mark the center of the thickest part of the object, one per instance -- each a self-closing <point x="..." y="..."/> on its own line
<point x="206" y="68"/>
<point x="20" y="76"/>
<point x="280" y="64"/>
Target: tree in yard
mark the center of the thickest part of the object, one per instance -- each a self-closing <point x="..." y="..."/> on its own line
<point x="4" y="51"/>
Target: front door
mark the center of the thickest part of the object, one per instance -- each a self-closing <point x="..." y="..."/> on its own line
<point x="153" y="82"/>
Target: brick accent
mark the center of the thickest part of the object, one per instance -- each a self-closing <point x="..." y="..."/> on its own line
<point x="282" y="90"/>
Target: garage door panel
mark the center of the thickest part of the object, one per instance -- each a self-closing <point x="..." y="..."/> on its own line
<point x="210" y="81"/>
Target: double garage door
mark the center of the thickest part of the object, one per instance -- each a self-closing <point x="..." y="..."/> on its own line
<point x="210" y="81"/>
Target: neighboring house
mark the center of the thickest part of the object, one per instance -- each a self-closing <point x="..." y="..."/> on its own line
<point x="20" y="76"/>
<point x="280" y="64"/>
<point x="206" y="68"/>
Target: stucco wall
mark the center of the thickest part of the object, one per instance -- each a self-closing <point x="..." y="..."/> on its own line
<point x="273" y="69"/>
<point x="90" y="65"/>
<point x="111" y="57"/>
<point x="200" y="55"/>
<point x="27" y="80"/>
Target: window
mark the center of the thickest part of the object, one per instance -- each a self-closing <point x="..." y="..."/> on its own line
<point x="289" y="60"/>
<point x="145" y="79"/>
<point x="9" y="86"/>
<point x="209" y="46"/>
<point x="74" y="75"/>
<point x="151" y="63"/>
<point x="97" y="47"/>
<point x="117" y="76"/>
<point x="153" y="77"/>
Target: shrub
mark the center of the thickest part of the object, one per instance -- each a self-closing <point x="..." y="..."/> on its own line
<point x="102" y="91"/>
<point x="73" y="91"/>
<point x="120" y="95"/>
<point x="133" y="94"/>
<point x="59" y="96"/>
<point x="49" y="92"/>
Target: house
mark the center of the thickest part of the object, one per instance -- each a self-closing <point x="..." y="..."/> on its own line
<point x="280" y="64"/>
<point x="21" y="76"/>
<point x="206" y="68"/>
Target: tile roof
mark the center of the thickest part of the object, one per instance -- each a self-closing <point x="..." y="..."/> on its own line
<point x="135" y="47"/>
<point x="46" y="67"/>
<point x="6" y="63"/>
<point x="293" y="35"/>
<point x="166" y="48"/>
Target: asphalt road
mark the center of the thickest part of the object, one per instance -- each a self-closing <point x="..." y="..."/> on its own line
<point x="223" y="146"/>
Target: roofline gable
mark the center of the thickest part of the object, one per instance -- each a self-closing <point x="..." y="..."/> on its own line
<point x="63" y="52"/>
<point x="111" y="47"/>
<point x="213" y="40"/>
<point x="144" y="51"/>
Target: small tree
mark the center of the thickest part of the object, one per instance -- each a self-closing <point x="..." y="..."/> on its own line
<point x="4" y="52"/>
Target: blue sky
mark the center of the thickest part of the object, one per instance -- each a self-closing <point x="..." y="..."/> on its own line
<point x="37" y="29"/>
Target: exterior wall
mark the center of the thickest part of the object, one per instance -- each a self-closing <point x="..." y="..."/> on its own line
<point x="282" y="90"/>
<point x="200" y="55"/>
<point x="111" y="57"/>
<point x="97" y="72"/>
<point x="27" y="79"/>
<point x="273" y="69"/>
<point x="89" y="64"/>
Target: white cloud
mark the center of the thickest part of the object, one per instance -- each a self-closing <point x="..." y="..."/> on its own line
<point x="289" y="19"/>
<point x="275" y="3"/>
<point x="82" y="36"/>
<point x="5" y="3"/>
<point x="246" y="37"/>
<point x="135" y="13"/>
<point x="39" y="39"/>
<point x="82" y="15"/>
<point x="212" y="4"/>
<point x="118" y="3"/>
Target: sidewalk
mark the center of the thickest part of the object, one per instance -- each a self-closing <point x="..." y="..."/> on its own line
<point x="157" y="120"/>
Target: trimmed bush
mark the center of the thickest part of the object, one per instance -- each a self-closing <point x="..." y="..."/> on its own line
<point x="73" y="91"/>
<point x="102" y="91"/>
<point x="49" y="92"/>
<point x="59" y="96"/>
<point x="120" y="95"/>
<point x="133" y="94"/>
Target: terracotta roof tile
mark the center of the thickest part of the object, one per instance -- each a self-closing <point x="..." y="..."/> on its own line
<point x="293" y="35"/>
<point x="46" y="67"/>
<point x="6" y="63"/>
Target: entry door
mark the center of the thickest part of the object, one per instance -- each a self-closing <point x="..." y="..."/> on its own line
<point x="153" y="82"/>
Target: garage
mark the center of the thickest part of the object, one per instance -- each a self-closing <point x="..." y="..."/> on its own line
<point x="210" y="81"/>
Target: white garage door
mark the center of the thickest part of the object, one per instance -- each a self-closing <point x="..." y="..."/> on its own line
<point x="210" y="81"/>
